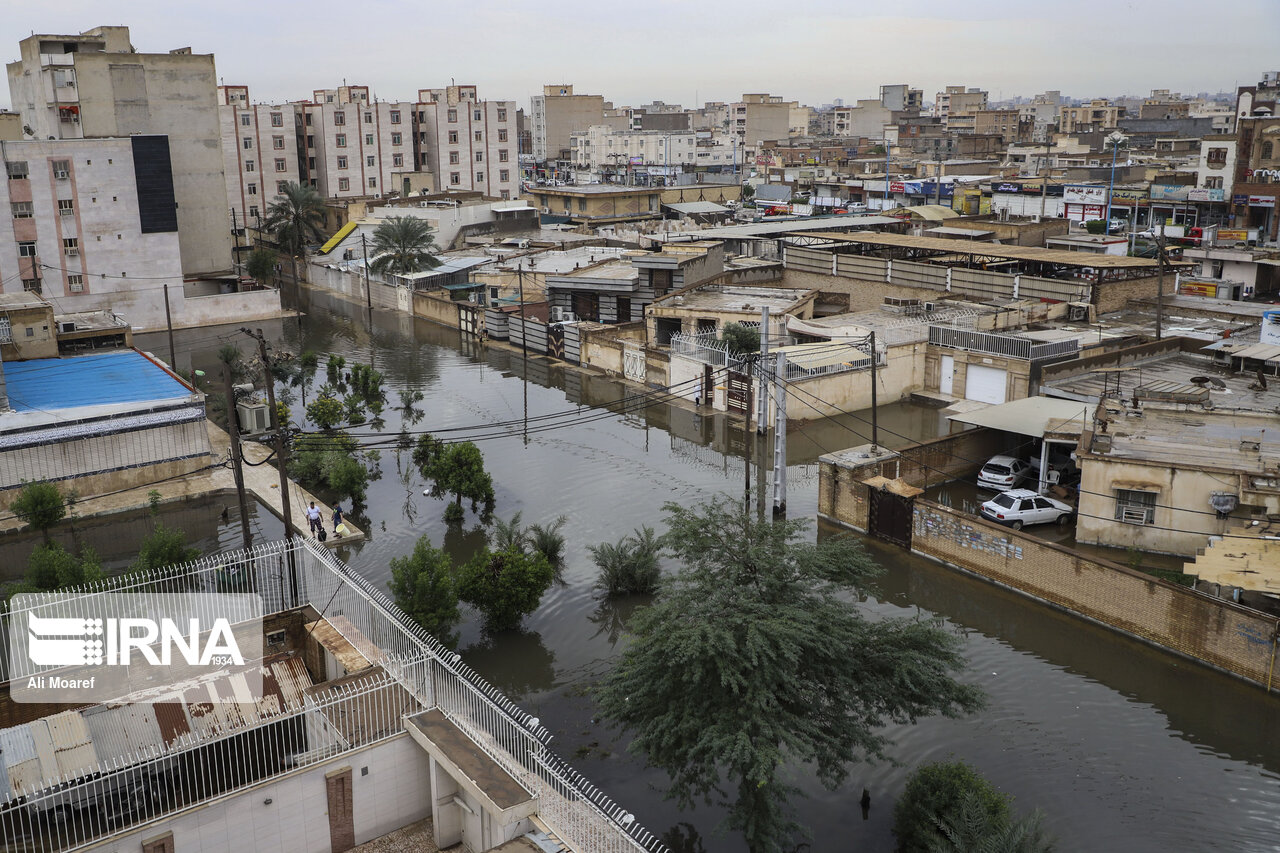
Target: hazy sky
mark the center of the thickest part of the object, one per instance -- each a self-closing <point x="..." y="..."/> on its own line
<point x="676" y="50"/>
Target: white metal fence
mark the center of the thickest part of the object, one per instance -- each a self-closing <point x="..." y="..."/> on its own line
<point x="288" y="574"/>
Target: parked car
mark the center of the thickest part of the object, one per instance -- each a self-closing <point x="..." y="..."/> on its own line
<point x="1020" y="507"/>
<point x="1004" y="472"/>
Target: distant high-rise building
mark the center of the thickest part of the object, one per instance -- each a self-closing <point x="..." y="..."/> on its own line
<point x="558" y="113"/>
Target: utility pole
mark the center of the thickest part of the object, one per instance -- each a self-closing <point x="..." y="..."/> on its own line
<point x="524" y="341"/>
<point x="1044" y="180"/>
<point x="1160" y="283"/>
<point x="281" y="460"/>
<point x="168" y="321"/>
<point x="762" y="398"/>
<point x="780" y="438"/>
<point x="875" y="421"/>
<point x="233" y="429"/>
<point x="364" y="247"/>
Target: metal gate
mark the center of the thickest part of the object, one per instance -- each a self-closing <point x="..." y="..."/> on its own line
<point x="469" y="319"/>
<point x="555" y="340"/>
<point x="633" y="363"/>
<point x="889" y="516"/>
<point x="739" y="392"/>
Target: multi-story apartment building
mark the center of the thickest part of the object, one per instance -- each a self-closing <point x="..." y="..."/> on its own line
<point x="1009" y="124"/>
<point x="901" y="97"/>
<point x="468" y="143"/>
<point x="1098" y="114"/>
<point x="758" y="118"/>
<point x="355" y="145"/>
<point x="558" y="113"/>
<point x="263" y="148"/>
<point x="95" y="85"/>
<point x="601" y="147"/>
<point x="93" y="225"/>
<point x="958" y="101"/>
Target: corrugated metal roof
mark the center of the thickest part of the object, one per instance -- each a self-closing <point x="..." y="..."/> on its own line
<point x="72" y="744"/>
<point x="688" y="207"/>
<point x="1262" y="352"/>
<point x="123" y="730"/>
<point x="347" y="655"/>
<point x="1032" y="416"/>
<point x="338" y="237"/>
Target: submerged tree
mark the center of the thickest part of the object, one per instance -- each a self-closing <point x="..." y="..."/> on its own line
<point x="294" y="219"/>
<point x="629" y="566"/>
<point x="505" y="586"/>
<point x="753" y="659"/>
<point x="424" y="587"/>
<point x="455" y="469"/>
<point x="40" y="505"/>
<point x="404" y="244"/>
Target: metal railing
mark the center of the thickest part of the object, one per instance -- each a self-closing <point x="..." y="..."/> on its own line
<point x="1012" y="346"/>
<point x="432" y="674"/>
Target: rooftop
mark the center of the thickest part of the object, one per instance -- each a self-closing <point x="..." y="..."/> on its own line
<point x="119" y="376"/>
<point x="784" y="226"/>
<point x="1169" y="373"/>
<point x="560" y="263"/>
<point x="717" y="297"/>
<point x="1235" y="441"/>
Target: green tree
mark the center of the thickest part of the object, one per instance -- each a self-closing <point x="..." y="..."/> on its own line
<point x="549" y="541"/>
<point x="740" y="338"/>
<point x="51" y="567"/>
<point x="261" y="264"/>
<point x="294" y="219"/>
<point x="325" y="412"/>
<point x="934" y="793"/>
<point x="629" y="566"/>
<point x="331" y="460"/>
<point x="456" y="469"/>
<point x="753" y="659"/>
<point x="40" y="505"/>
<point x="505" y="586"/>
<point x="404" y="244"/>
<point x="969" y="828"/>
<point x="509" y="534"/>
<point x="163" y="547"/>
<point x="424" y="587"/>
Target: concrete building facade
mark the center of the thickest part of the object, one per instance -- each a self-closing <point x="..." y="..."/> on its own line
<point x="469" y="144"/>
<point x="1098" y="114"/>
<point x="263" y="147"/>
<point x="94" y="85"/>
<point x="356" y="146"/>
<point x="557" y="113"/>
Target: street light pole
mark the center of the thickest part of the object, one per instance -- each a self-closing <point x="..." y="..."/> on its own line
<point x="1115" y="138"/>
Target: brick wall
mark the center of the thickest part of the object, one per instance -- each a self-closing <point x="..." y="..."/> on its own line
<point x="1177" y="618"/>
<point x="1115" y="295"/>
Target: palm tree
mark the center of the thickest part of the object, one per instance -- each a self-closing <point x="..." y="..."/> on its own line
<point x="404" y="244"/>
<point x="295" y="219"/>
<point x="969" y="828"/>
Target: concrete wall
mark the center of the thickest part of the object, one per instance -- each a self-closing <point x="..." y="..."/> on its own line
<point x="351" y="285"/>
<point x="224" y="308"/>
<point x="291" y="813"/>
<point x="1017" y="371"/>
<point x="437" y="308"/>
<point x="863" y="295"/>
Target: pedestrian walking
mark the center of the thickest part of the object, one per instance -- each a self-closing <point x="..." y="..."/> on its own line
<point x="313" y="518"/>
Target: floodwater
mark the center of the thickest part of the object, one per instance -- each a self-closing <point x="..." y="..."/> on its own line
<point x="1123" y="747"/>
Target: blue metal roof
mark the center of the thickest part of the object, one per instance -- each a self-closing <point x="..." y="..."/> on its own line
<point x="119" y="376"/>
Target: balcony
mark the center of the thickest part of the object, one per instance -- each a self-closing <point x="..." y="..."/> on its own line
<point x="1010" y="346"/>
<point x="47" y="59"/>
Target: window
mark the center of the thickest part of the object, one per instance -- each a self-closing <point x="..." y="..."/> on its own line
<point x="281" y="164"/>
<point x="71" y="246"/>
<point x="502" y="135"/>
<point x="373" y="183"/>
<point x="397" y="159"/>
<point x="502" y="114"/>
<point x="1267" y="150"/>
<point x="477" y="116"/>
<point x="311" y="141"/>
<point x="277" y="142"/>
<point x="370" y="160"/>
<point x="27" y="250"/>
<point x="368" y="118"/>
<point x="247" y="143"/>
<point x="249" y="165"/>
<point x="246" y="120"/>
<point x="306" y="119"/>
<point x="277" y="120"/>
<point x="582" y="205"/>
<point x="1217" y="155"/>
<point x="17" y="171"/>
<point x="504" y="175"/>
<point x="280" y="185"/>
<point x="66" y="207"/>
<point x="452" y="115"/>
<point x="1135" y="507"/>
<point x="479" y="156"/>
<point x="368" y="139"/>
<point x="479" y="137"/>
<point x="453" y="158"/>
<point x="21" y="209"/>
<point x="1213" y="183"/>
<point x="502" y="155"/>
<point x="395" y="116"/>
<point x="396" y="138"/>
<point x="33" y="285"/>
<point x="75" y="283"/>
<point x="344" y="184"/>
<point x="454" y="178"/>
<point x="479" y="177"/>
<point x="506" y="195"/>
<point x="251" y="189"/>
<point x="342" y="162"/>
<point x="253" y="211"/>
<point x="339" y="117"/>
<point x="340" y="140"/>
<point x="453" y="137"/>
<point x="61" y="169"/>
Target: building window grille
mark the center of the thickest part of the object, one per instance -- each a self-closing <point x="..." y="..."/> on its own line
<point x="1135" y="507"/>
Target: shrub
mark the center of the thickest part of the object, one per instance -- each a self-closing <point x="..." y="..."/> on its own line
<point x="631" y="565"/>
<point x="424" y="587"/>
<point x="1096" y="226"/>
<point x="163" y="547"/>
<point x="40" y="505"/>
<point x="505" y="586"/>
<point x="740" y="338"/>
<point x="325" y="412"/>
<point x="52" y="567"/>
<point x="332" y="461"/>
<point x="935" y="793"/>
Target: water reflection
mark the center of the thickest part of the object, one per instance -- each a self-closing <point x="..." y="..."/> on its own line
<point x="612" y="613"/>
<point x="516" y="662"/>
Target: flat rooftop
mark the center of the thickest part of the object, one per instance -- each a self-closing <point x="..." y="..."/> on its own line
<point x="559" y="263"/>
<point x="1170" y="372"/>
<point x="119" y="376"/>
<point x="1236" y="441"/>
<point x="720" y="298"/>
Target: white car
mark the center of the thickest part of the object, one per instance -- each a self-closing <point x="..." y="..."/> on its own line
<point x="1020" y="507"/>
<point x="1004" y="472"/>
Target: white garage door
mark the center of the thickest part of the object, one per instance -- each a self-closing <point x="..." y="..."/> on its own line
<point x="985" y="384"/>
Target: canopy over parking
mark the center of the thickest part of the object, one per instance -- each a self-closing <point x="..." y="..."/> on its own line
<point x="1033" y="416"/>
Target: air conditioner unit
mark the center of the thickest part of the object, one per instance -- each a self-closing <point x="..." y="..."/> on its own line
<point x="254" y="417"/>
<point x="61" y="175"/>
<point x="546" y="210"/>
<point x="1133" y="515"/>
<point x="71" y="252"/>
<point x="67" y="326"/>
<point x="931" y="306"/>
<point x="1078" y="313"/>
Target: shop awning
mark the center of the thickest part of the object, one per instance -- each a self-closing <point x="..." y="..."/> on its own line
<point x="1033" y="416"/>
<point x="338" y="238"/>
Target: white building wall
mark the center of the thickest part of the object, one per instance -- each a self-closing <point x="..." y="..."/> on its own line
<point x="470" y="144"/>
<point x="1020" y="204"/>
<point x="290" y="815"/>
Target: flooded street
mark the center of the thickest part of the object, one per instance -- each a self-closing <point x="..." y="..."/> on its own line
<point x="1123" y="747"/>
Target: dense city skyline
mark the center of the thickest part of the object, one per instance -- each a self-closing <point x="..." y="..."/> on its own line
<point x="813" y="52"/>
